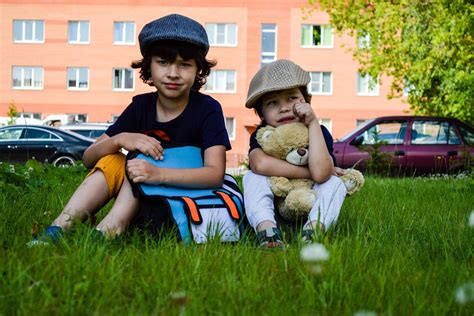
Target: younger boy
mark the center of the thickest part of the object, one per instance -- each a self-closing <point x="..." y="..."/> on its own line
<point x="278" y="94"/>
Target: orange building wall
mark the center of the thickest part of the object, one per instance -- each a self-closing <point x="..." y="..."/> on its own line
<point x="343" y="107"/>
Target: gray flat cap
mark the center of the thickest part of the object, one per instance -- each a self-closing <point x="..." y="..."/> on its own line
<point x="278" y="75"/>
<point x="173" y="27"/>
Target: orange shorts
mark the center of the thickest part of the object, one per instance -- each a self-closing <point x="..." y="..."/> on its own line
<point x="113" y="168"/>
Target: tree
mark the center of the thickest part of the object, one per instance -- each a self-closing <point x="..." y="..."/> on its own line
<point x="12" y="114"/>
<point x="424" y="46"/>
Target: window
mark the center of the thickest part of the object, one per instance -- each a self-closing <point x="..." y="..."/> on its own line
<point x="10" y="134"/>
<point x="28" y="31"/>
<point x="321" y="83"/>
<point x="33" y="133"/>
<point x="407" y="87"/>
<point x="359" y="122"/>
<point x="434" y="133"/>
<point x="78" y="78"/>
<point x="230" y="126"/>
<point x="123" y="79"/>
<point x="366" y="85"/>
<point x="468" y="135"/>
<point x="27" y="78"/>
<point x="391" y="133"/>
<point x="316" y="36"/>
<point x="124" y="33"/>
<point x="78" y="32"/>
<point x="221" y="81"/>
<point x="326" y="122"/>
<point x="31" y="115"/>
<point x="77" y="118"/>
<point x="269" y="43"/>
<point x="222" y="34"/>
<point x="363" y="40"/>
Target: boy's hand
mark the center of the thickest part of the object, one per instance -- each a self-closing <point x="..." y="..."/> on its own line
<point x="304" y="112"/>
<point x="140" y="170"/>
<point x="145" y="144"/>
<point x="339" y="171"/>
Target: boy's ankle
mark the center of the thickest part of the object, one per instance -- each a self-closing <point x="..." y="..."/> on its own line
<point x="265" y="225"/>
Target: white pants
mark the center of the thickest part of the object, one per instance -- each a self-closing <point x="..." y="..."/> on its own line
<point x="259" y="204"/>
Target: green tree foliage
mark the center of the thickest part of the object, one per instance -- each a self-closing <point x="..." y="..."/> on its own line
<point x="12" y="114"/>
<point x="425" y="46"/>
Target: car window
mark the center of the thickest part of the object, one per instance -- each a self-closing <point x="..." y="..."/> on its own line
<point x="10" y="134"/>
<point x="434" y="133"/>
<point x="392" y="133"/>
<point x="97" y="133"/>
<point x="467" y="134"/>
<point x="33" y="133"/>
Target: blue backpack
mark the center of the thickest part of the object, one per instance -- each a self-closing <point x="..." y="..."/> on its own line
<point x="184" y="205"/>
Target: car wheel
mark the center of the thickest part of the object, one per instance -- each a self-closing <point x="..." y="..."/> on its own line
<point x="64" y="161"/>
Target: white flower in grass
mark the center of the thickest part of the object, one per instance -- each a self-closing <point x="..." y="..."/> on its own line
<point x="11" y="168"/>
<point x="465" y="293"/>
<point x="314" y="252"/>
<point x="471" y="219"/>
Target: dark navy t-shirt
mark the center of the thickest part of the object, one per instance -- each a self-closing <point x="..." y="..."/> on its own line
<point x="327" y="138"/>
<point x="200" y="124"/>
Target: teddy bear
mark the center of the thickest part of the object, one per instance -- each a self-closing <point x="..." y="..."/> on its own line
<point x="294" y="198"/>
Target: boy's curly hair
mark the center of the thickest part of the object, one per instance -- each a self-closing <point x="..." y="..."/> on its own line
<point x="169" y="50"/>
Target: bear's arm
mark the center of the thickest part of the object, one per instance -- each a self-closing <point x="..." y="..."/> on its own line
<point x="266" y="165"/>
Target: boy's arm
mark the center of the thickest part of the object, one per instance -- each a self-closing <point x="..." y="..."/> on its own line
<point x="209" y="176"/>
<point x="320" y="163"/>
<point x="266" y="165"/>
<point x="106" y="145"/>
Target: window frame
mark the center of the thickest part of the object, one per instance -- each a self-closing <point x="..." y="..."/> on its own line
<point x="79" y="33"/>
<point x="33" y="31"/>
<point x="213" y="76"/>
<point x="22" y="79"/>
<point x="263" y="54"/>
<point x="123" y="32"/>
<point x="123" y="89"/>
<point x="323" y="28"/>
<point x="77" y="75"/>
<point x="213" y="40"/>
<point x="368" y="93"/>
<point x="31" y="115"/>
<point x="75" y="116"/>
<point x="232" y="134"/>
<point x="329" y="126"/>
<point x="321" y="75"/>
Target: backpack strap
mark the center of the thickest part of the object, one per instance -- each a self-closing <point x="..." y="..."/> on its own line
<point x="192" y="209"/>
<point x="230" y="205"/>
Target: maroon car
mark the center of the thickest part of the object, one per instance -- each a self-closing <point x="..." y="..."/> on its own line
<point x="414" y="145"/>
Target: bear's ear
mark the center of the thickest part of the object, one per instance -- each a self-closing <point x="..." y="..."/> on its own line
<point x="266" y="135"/>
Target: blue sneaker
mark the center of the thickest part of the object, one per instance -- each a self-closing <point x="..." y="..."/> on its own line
<point x="51" y="235"/>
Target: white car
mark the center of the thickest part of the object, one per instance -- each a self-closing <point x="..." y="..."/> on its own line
<point x="92" y="130"/>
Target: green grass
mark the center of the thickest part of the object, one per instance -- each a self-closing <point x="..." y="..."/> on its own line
<point x="401" y="247"/>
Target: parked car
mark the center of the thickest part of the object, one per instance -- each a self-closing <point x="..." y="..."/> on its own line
<point x="415" y="145"/>
<point x="19" y="143"/>
<point x="92" y="130"/>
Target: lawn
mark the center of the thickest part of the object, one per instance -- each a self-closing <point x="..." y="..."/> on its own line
<point x="401" y="247"/>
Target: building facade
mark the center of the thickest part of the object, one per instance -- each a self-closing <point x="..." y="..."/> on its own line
<point x="73" y="57"/>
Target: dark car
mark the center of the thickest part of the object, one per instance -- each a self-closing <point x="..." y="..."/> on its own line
<point x="414" y="145"/>
<point x="19" y="143"/>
